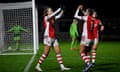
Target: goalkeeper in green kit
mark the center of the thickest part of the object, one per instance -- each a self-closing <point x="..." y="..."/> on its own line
<point x="74" y="34"/>
<point x="17" y="29"/>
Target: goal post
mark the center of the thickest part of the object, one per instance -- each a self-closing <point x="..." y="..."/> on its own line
<point x="18" y="28"/>
<point x="35" y="27"/>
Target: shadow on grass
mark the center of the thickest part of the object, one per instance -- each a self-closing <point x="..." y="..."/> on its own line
<point x="106" y="67"/>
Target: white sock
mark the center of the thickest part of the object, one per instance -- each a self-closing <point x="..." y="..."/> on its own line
<point x="93" y="61"/>
<point x="38" y="65"/>
<point x="62" y="66"/>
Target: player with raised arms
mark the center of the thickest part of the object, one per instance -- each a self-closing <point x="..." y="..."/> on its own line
<point x="49" y="37"/>
<point x="87" y="36"/>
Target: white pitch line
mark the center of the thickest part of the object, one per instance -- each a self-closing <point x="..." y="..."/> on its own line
<point x="29" y="64"/>
<point x="16" y="53"/>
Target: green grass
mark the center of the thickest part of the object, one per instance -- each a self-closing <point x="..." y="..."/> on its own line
<point x="13" y="63"/>
<point x="108" y="59"/>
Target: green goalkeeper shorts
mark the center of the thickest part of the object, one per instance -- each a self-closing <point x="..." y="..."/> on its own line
<point x="73" y="35"/>
<point x="17" y="38"/>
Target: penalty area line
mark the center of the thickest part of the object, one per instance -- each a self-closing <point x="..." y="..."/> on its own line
<point x="29" y="64"/>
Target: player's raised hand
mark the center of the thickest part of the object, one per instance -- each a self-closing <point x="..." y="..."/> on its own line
<point x="62" y="7"/>
<point x="80" y="7"/>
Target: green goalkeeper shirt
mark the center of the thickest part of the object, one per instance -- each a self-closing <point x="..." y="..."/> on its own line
<point x="73" y="30"/>
<point x="16" y="31"/>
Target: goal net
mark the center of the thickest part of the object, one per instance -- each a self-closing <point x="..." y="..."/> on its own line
<point x="18" y="29"/>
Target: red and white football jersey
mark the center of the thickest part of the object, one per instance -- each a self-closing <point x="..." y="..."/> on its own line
<point x="49" y="27"/>
<point x="97" y="23"/>
<point x="87" y="33"/>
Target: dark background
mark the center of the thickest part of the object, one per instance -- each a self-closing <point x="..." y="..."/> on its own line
<point x="108" y="12"/>
<point x="105" y="8"/>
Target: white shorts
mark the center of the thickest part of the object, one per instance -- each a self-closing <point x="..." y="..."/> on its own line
<point x="50" y="41"/>
<point x="85" y="41"/>
<point x="95" y="41"/>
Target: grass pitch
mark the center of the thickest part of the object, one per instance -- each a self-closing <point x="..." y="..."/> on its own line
<point x="108" y="59"/>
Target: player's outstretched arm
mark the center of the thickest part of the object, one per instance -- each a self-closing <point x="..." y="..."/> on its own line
<point x="59" y="15"/>
<point x="54" y="13"/>
<point x="80" y="8"/>
<point x="10" y="30"/>
<point x="23" y="29"/>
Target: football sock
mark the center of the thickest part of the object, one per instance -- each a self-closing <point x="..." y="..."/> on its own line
<point x="93" y="56"/>
<point x="17" y="45"/>
<point x="59" y="58"/>
<point x="72" y="44"/>
<point x="75" y="45"/>
<point x="85" y="58"/>
<point x="42" y="58"/>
